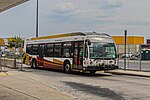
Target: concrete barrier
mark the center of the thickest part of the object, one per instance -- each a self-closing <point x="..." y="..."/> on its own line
<point x="11" y="63"/>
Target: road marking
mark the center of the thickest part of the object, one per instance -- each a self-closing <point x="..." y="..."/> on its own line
<point x="3" y="74"/>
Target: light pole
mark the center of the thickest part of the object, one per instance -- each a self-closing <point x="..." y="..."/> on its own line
<point x="125" y="48"/>
<point x="37" y="19"/>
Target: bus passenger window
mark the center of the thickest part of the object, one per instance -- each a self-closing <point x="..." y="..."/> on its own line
<point x="35" y="49"/>
<point x="49" y="50"/>
<point x="57" y="50"/>
<point x="29" y="49"/>
<point x="66" y="49"/>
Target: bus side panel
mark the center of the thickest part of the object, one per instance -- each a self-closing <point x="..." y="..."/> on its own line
<point x="40" y="62"/>
<point x="52" y="63"/>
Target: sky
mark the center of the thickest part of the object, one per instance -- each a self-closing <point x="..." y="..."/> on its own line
<point x="64" y="16"/>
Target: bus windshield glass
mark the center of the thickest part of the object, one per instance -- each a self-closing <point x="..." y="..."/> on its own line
<point x="102" y="50"/>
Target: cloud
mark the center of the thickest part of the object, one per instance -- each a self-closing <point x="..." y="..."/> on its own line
<point x="64" y="8"/>
<point x="112" y="4"/>
<point x="136" y="23"/>
<point x="82" y="12"/>
<point x="62" y="12"/>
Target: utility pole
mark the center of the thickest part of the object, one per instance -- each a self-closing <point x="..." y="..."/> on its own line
<point x="125" y="48"/>
<point x="37" y="19"/>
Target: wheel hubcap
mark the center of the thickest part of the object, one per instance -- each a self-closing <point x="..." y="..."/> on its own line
<point x="67" y="67"/>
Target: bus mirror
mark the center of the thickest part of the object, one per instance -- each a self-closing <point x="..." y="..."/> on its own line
<point x="89" y="43"/>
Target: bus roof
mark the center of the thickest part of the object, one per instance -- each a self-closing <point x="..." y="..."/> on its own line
<point x="71" y="34"/>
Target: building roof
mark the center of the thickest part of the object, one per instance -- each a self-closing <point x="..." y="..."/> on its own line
<point x="119" y="40"/>
<point x="7" y="4"/>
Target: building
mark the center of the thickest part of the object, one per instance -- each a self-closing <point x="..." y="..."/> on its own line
<point x="148" y="41"/>
<point x="133" y="43"/>
<point x="146" y="46"/>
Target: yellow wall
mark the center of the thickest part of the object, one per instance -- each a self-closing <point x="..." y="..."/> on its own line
<point x="130" y="40"/>
<point x="2" y="42"/>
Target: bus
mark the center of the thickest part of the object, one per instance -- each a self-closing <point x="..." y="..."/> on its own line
<point x="78" y="51"/>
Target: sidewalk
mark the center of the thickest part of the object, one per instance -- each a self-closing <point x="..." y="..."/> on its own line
<point x="3" y="74"/>
<point x="17" y="86"/>
<point x="129" y="72"/>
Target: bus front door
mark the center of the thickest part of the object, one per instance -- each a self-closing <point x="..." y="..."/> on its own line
<point x="78" y="56"/>
<point x="41" y="55"/>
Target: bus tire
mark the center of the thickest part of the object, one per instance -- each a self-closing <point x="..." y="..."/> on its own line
<point x="34" y="64"/>
<point x="67" y="67"/>
<point x="92" y="72"/>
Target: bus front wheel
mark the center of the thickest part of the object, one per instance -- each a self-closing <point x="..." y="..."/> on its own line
<point x="67" y="68"/>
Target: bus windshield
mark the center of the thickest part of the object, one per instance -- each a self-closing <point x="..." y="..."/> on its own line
<point x="102" y="50"/>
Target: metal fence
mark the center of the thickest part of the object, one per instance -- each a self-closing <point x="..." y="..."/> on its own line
<point x="137" y="57"/>
<point x="10" y="57"/>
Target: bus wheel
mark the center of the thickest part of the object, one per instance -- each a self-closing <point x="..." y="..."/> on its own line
<point x="34" y="65"/>
<point x="92" y="72"/>
<point x="67" y="68"/>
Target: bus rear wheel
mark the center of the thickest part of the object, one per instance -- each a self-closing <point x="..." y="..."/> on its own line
<point x="67" y="68"/>
<point x="34" y="64"/>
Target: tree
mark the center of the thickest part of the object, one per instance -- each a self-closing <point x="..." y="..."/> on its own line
<point x="16" y="42"/>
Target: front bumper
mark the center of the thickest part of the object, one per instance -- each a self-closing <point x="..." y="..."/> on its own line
<point x="97" y="68"/>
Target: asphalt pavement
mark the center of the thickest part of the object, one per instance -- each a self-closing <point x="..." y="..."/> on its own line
<point x="16" y="86"/>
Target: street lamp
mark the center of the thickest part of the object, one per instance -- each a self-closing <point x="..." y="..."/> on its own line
<point x="37" y="19"/>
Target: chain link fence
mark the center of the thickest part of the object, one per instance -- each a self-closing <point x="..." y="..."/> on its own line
<point x="136" y="58"/>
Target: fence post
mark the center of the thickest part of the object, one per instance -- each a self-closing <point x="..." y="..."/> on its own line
<point x="118" y="55"/>
<point x="125" y="44"/>
<point x="140" y="59"/>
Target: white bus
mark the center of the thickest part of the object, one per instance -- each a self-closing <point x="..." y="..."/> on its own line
<point x="77" y="51"/>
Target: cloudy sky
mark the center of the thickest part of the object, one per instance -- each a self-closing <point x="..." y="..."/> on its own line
<point x="63" y="16"/>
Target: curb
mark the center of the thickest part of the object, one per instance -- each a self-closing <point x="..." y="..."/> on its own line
<point x="3" y="74"/>
<point x="135" y="73"/>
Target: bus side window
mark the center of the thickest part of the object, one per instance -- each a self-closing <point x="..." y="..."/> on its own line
<point x="57" y="50"/>
<point x="66" y="49"/>
<point x="35" y="49"/>
<point x="49" y="50"/>
<point x="29" y="49"/>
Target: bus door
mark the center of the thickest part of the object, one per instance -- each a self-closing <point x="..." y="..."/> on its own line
<point x="41" y="55"/>
<point x="78" y="55"/>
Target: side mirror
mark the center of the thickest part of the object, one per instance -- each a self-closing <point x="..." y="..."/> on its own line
<point x="88" y="42"/>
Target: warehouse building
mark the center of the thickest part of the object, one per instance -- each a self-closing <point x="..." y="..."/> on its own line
<point x="133" y="43"/>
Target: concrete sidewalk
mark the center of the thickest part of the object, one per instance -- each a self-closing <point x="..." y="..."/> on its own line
<point x="17" y="86"/>
<point x="129" y="72"/>
<point x="3" y="74"/>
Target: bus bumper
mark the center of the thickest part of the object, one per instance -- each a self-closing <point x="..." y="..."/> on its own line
<point x="97" y="68"/>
